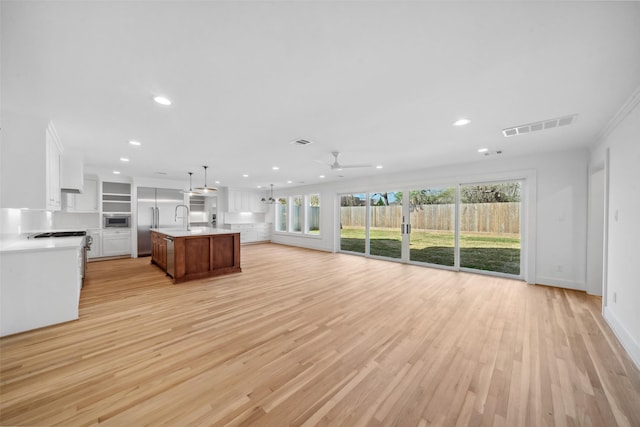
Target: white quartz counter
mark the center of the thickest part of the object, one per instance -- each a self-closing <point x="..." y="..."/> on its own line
<point x="195" y="231"/>
<point x="23" y="243"/>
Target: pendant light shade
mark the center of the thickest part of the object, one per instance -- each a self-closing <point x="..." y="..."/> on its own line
<point x="270" y="200"/>
<point x="191" y="192"/>
<point x="206" y="188"/>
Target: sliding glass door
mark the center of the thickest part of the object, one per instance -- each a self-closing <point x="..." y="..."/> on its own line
<point x="490" y="237"/>
<point x="433" y="225"/>
<point x="472" y="227"/>
<point x="385" y="224"/>
<point x="353" y="222"/>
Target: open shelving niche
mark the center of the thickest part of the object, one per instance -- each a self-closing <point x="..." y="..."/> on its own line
<point x="116" y="197"/>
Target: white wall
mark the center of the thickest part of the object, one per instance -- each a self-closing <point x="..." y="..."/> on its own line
<point x="622" y="233"/>
<point x="558" y="221"/>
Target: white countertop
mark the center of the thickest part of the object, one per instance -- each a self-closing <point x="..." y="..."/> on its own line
<point x="195" y="231"/>
<point x="22" y="243"/>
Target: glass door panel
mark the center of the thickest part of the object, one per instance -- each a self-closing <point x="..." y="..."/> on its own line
<point x="353" y="222"/>
<point x="432" y="215"/>
<point x="385" y="222"/>
<point x="490" y="227"/>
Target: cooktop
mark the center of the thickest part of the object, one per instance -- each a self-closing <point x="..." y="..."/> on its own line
<point x="59" y="234"/>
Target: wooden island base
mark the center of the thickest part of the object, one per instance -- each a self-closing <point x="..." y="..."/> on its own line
<point x="196" y="256"/>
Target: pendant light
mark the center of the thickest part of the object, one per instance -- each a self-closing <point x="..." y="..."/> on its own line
<point x="206" y="189"/>
<point x="191" y="192"/>
<point x="270" y="200"/>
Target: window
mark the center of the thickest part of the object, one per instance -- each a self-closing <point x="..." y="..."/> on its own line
<point x="281" y="214"/>
<point x="312" y="223"/>
<point x="298" y="214"/>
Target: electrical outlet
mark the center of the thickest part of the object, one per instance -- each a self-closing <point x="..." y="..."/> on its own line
<point x="559" y="268"/>
<point x="615" y="297"/>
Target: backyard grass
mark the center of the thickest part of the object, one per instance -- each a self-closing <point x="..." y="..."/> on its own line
<point x="479" y="251"/>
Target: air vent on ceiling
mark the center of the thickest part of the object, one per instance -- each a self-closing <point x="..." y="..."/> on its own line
<point x="301" y="142"/>
<point x="545" y="124"/>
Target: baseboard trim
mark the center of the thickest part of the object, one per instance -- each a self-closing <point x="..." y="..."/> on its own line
<point x="627" y="341"/>
<point x="559" y="283"/>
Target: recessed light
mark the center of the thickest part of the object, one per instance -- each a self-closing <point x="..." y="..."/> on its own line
<point x="461" y="122"/>
<point x="124" y="159"/>
<point x="379" y="167"/>
<point x="275" y="168"/>
<point x="136" y="143"/>
<point x="217" y="182"/>
<point x="116" y="172"/>
<point x="482" y="150"/>
<point x="289" y="182"/>
<point x="321" y="176"/>
<point x="162" y="100"/>
<point x="245" y="175"/>
<point x="259" y="186"/>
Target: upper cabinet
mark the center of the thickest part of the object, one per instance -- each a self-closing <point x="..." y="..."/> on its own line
<point x="244" y="201"/>
<point x="53" y="159"/>
<point x="72" y="172"/>
<point x="30" y="155"/>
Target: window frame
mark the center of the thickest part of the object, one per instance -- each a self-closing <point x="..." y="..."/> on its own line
<point x="305" y="204"/>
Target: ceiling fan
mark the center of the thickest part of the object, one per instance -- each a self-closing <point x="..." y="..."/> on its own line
<point x="337" y="166"/>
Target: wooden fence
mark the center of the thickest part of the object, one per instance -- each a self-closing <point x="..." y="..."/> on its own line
<point x="474" y="217"/>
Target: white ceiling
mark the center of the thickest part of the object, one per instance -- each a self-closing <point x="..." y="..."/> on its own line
<point x="380" y="82"/>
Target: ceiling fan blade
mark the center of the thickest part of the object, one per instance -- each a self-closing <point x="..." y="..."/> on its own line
<point x="355" y="166"/>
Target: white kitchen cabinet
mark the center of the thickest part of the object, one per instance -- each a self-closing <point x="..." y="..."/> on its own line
<point x="263" y="232"/>
<point x="53" y="153"/>
<point x="39" y="288"/>
<point x="71" y="171"/>
<point x="86" y="201"/>
<point x="251" y="233"/>
<point x="116" y="242"/>
<point x="244" y="201"/>
<point x="29" y="163"/>
<point x="96" y="245"/>
<point x="52" y="165"/>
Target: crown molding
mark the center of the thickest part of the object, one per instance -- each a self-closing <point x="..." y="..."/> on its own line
<point x="620" y="115"/>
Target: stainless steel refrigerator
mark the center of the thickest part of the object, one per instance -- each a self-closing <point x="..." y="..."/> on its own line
<point x="156" y="209"/>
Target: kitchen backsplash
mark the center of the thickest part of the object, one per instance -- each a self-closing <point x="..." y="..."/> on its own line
<point x="243" y="217"/>
<point x="18" y="221"/>
<point x="76" y="220"/>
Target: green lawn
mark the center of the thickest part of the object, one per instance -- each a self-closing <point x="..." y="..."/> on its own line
<point x="479" y="251"/>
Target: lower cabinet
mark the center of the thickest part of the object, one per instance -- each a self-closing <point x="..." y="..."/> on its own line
<point x="39" y="288"/>
<point x="96" y="244"/>
<point x="159" y="250"/>
<point x="116" y="242"/>
<point x="251" y="233"/>
<point x="196" y="256"/>
<point x="263" y="232"/>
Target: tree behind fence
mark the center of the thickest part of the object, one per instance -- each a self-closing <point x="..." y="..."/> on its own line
<point x="474" y="217"/>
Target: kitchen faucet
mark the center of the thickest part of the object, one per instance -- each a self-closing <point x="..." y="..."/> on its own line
<point x="176" y="215"/>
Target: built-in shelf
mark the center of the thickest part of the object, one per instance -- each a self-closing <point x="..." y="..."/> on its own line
<point x="116" y="197"/>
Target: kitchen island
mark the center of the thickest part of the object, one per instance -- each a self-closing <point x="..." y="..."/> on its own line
<point x="195" y="254"/>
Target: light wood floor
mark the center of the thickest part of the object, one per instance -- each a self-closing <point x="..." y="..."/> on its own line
<point x="310" y="338"/>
